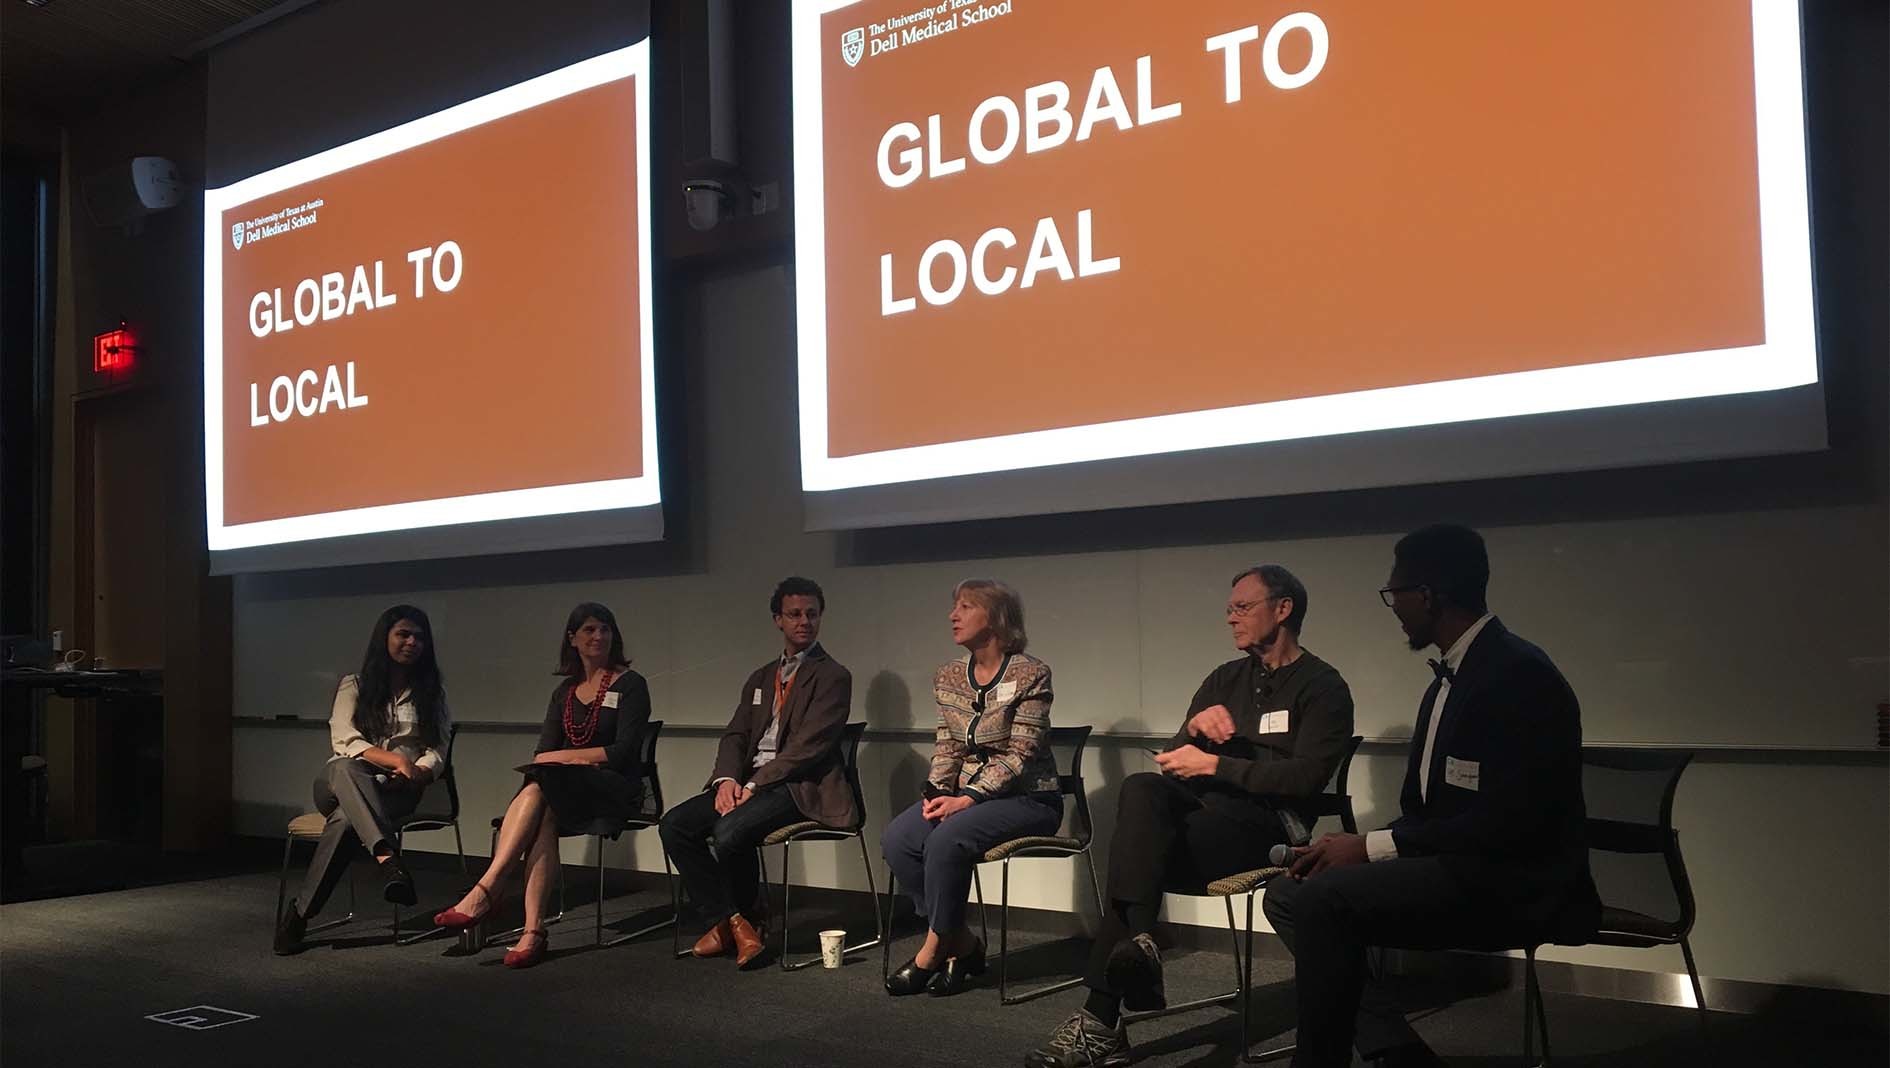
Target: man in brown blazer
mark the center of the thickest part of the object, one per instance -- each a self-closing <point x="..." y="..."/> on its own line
<point x="779" y="763"/>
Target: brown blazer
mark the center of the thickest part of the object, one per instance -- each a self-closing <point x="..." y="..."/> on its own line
<point x="808" y="762"/>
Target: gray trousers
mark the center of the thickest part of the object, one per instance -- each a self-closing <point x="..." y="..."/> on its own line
<point x="359" y="810"/>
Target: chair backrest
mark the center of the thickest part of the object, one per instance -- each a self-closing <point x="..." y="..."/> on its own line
<point x="1335" y="802"/>
<point x="1066" y="745"/>
<point x="1633" y="849"/>
<point x="850" y="761"/>
<point x="646" y="760"/>
<point x="447" y="778"/>
<point x="1340" y="792"/>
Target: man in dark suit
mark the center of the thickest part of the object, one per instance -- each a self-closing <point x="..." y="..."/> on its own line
<point x="779" y="763"/>
<point x="1489" y="852"/>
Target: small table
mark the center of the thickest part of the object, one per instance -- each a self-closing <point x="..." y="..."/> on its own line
<point x="131" y="690"/>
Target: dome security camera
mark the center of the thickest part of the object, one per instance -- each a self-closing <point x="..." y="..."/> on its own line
<point x="705" y="201"/>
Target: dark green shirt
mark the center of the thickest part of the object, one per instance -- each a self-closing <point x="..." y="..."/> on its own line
<point x="1291" y="726"/>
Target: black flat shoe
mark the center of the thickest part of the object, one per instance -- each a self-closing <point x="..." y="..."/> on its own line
<point x="289" y="932"/>
<point x="399" y="889"/>
<point x="958" y="973"/>
<point x="909" y="979"/>
<point x="974" y="960"/>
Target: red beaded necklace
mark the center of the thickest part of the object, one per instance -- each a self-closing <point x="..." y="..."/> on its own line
<point x="579" y="732"/>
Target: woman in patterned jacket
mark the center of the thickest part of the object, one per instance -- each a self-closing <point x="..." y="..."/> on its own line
<point x="993" y="779"/>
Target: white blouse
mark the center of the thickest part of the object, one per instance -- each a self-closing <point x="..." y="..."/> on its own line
<point x="404" y="723"/>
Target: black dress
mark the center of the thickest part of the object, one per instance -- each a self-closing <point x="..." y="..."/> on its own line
<point x="595" y="798"/>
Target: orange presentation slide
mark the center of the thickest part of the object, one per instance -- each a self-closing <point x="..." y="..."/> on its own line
<point x="1033" y="216"/>
<point x="446" y="322"/>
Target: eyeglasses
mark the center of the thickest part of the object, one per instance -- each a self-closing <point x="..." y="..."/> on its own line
<point x="1242" y="608"/>
<point x="1389" y="592"/>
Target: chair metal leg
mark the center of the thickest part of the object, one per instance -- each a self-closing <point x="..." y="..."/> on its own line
<point x="675" y="915"/>
<point x="398" y="835"/>
<point x="785" y="907"/>
<point x="459" y="848"/>
<point x="892" y="905"/>
<point x="1693" y="974"/>
<point x="1247" y="1056"/>
<point x="675" y="897"/>
<point x="399" y="849"/>
<point x="1004" y="931"/>
<point x="882" y="936"/>
<point x="1542" y="1022"/>
<point x="1201" y="1003"/>
<point x="282" y="883"/>
<point x="1243" y="972"/>
<point x="1095" y="888"/>
<point x="282" y="894"/>
<point x="1529" y="1007"/>
<point x="597" y="917"/>
<point x="1004" y="954"/>
<point x="984" y="925"/>
<point x="872" y="893"/>
<point x="1233" y="935"/>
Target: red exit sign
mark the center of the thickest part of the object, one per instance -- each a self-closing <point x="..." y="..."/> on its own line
<point x="115" y="351"/>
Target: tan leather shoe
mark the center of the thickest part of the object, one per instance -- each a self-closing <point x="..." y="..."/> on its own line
<point x="748" y="941"/>
<point x="715" y="942"/>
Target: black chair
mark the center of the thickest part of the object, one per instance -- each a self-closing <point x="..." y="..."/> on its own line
<point x="646" y="818"/>
<point x="309" y="826"/>
<point x="1634" y="862"/>
<point x="1067" y="744"/>
<point x="423" y="820"/>
<point x="1336" y="802"/>
<point x="814" y="831"/>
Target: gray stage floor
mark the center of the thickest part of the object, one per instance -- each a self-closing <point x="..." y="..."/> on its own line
<point x="80" y="975"/>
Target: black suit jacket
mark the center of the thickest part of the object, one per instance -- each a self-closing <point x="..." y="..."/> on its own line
<point x="1517" y="840"/>
<point x="807" y="763"/>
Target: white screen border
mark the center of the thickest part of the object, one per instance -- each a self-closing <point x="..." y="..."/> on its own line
<point x="644" y="490"/>
<point x="1788" y="357"/>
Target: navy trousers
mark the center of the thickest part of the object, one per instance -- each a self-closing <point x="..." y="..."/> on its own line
<point x="933" y="861"/>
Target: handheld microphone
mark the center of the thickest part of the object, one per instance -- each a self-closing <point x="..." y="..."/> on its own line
<point x="1281" y="856"/>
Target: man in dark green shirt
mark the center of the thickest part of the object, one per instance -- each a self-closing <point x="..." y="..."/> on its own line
<point x="1261" y="730"/>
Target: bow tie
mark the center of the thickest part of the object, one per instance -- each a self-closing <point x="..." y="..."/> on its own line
<point x="1441" y="670"/>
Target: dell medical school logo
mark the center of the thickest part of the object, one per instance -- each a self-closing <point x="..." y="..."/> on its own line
<point x="236" y="234"/>
<point x="853" y="45"/>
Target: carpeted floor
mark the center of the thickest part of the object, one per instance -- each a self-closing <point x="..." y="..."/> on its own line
<point x="80" y="975"/>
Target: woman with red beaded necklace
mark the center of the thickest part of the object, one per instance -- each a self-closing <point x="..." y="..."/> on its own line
<point x="585" y="770"/>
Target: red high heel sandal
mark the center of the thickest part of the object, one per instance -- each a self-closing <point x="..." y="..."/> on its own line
<point x="525" y="958"/>
<point x="455" y="920"/>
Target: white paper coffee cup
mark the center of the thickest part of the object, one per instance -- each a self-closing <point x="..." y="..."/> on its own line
<point x="833" y="946"/>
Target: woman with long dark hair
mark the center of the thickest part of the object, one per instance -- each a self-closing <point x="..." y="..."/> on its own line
<point x="389" y="732"/>
<point x="585" y="772"/>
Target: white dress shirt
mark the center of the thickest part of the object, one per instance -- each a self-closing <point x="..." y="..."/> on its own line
<point x="403" y="725"/>
<point x="1379" y="844"/>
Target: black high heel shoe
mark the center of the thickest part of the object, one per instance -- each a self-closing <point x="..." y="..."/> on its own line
<point x="958" y="972"/>
<point x="909" y="979"/>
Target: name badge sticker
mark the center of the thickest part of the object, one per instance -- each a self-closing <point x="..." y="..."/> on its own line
<point x="1276" y="722"/>
<point x="1462" y="774"/>
<point x="610" y="698"/>
<point x="757" y="696"/>
<point x="1003" y="692"/>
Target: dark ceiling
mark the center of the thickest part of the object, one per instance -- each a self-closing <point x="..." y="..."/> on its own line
<point x="62" y="58"/>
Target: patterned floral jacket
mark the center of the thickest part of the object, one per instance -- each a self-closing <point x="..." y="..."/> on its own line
<point x="993" y="740"/>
